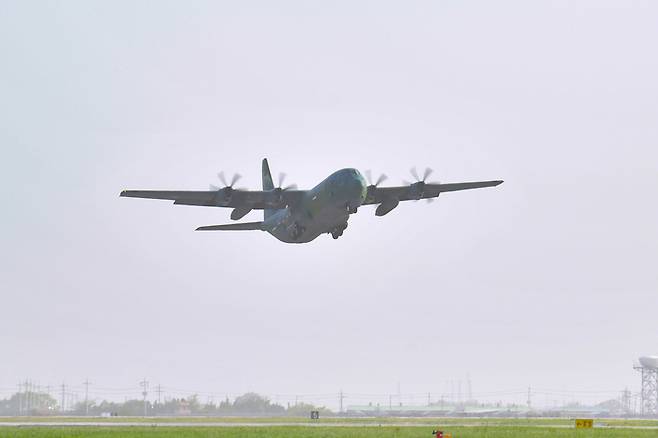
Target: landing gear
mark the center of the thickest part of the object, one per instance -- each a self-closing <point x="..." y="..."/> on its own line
<point x="338" y="231"/>
<point x="351" y="210"/>
<point x="297" y="231"/>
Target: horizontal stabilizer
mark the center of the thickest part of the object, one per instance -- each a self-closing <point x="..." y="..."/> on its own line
<point x="233" y="227"/>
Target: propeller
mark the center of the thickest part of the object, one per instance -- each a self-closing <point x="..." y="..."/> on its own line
<point x="280" y="188"/>
<point x="426" y="174"/>
<point x="282" y="178"/>
<point x="222" y="179"/>
<point x="373" y="186"/>
<point x="380" y="180"/>
<point x="418" y="187"/>
<point x="227" y="190"/>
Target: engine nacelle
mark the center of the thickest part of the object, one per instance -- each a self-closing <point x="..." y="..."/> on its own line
<point x="240" y="212"/>
<point x="386" y="206"/>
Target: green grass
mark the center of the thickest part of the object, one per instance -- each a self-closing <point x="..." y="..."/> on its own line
<point x="515" y="422"/>
<point x="315" y="432"/>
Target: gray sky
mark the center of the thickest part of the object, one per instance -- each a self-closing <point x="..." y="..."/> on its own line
<point x="548" y="280"/>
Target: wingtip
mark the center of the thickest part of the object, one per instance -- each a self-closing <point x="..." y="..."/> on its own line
<point x="499" y="182"/>
<point x="123" y="193"/>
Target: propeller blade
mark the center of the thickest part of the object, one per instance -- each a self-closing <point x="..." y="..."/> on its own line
<point x="235" y="179"/>
<point x="427" y="173"/>
<point x="406" y="183"/>
<point x="430" y="200"/>
<point x="282" y="178"/>
<point x="414" y="173"/>
<point x="222" y="178"/>
<point x="214" y="188"/>
<point x="290" y="187"/>
<point x="369" y="177"/>
<point x="381" y="179"/>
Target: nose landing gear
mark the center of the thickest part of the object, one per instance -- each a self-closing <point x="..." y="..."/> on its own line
<point x="338" y="231"/>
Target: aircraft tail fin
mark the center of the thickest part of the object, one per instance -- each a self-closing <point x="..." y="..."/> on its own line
<point x="268" y="184"/>
<point x="233" y="227"/>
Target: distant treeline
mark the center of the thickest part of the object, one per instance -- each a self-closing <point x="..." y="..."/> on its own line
<point x="38" y="403"/>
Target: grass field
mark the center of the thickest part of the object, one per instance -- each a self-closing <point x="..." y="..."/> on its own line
<point x="316" y="432"/>
<point x="287" y="427"/>
<point x="470" y="421"/>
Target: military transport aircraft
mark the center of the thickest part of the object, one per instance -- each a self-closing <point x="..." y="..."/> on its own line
<point x="299" y="216"/>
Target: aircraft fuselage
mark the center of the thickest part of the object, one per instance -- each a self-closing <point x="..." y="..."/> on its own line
<point x="324" y="209"/>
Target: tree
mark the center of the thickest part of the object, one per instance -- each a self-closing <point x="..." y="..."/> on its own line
<point x="304" y="410"/>
<point x="28" y="403"/>
<point x="252" y="403"/>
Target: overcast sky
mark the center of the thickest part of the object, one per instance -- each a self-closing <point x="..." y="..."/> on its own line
<point x="548" y="280"/>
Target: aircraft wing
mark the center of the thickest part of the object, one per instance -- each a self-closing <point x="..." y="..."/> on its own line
<point x="225" y="197"/>
<point x="378" y="195"/>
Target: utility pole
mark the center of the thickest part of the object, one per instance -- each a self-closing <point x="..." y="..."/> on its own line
<point x="159" y="391"/>
<point x="61" y="406"/>
<point x="48" y="390"/>
<point x="529" y="398"/>
<point x="340" y="411"/>
<point x="428" y="398"/>
<point x="27" y="397"/>
<point x="86" y="383"/>
<point x="145" y="386"/>
<point x="20" y="398"/>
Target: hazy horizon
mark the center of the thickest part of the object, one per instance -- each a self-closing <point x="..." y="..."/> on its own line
<point x="546" y="281"/>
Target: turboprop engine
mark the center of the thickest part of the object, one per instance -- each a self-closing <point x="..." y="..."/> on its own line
<point x="386" y="206"/>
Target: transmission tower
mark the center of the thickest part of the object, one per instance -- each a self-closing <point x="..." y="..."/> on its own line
<point x="626" y="401"/>
<point x="648" y="368"/>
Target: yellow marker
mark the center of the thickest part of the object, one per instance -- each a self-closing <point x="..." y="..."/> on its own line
<point x="584" y="423"/>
